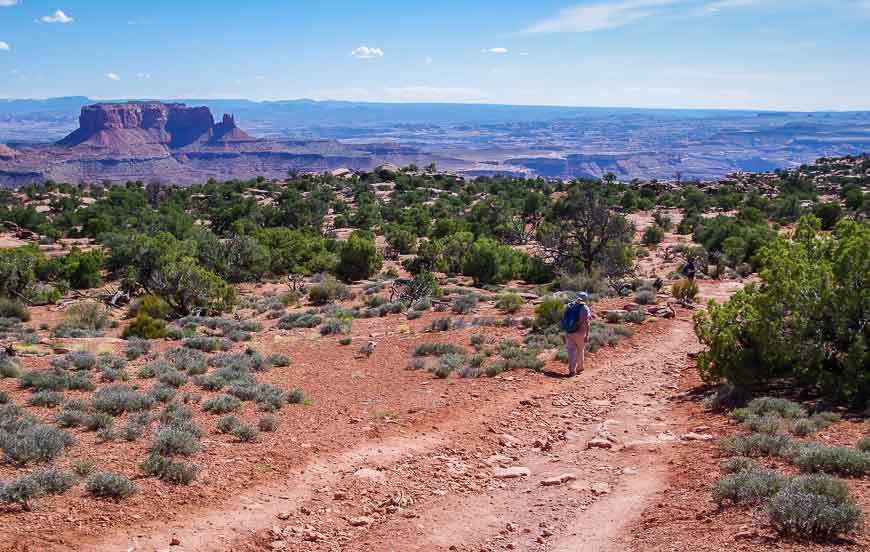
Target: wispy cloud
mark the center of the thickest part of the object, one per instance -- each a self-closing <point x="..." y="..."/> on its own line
<point x="113" y="76"/>
<point x="142" y="75"/>
<point x="4" y="46"/>
<point x="599" y="16"/>
<point x="365" y="52"/>
<point x="7" y="3"/>
<point x="495" y="50"/>
<point x="56" y="17"/>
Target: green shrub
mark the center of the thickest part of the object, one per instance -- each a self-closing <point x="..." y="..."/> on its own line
<point x="748" y="486"/>
<point x="738" y="464"/>
<point x="442" y="325"/>
<point x="277" y="359"/>
<point x="9" y="367"/>
<point x="207" y="344"/>
<point x="327" y="291"/>
<point x="48" y="399"/>
<point x="298" y="320"/>
<point x="145" y="327"/>
<point x="815" y="458"/>
<point x="437" y="349"/>
<point x="136" y="347"/>
<point x="168" y="470"/>
<point x="653" y="235"/>
<point x="756" y="444"/>
<point x="162" y="393"/>
<point x="227" y="424"/>
<point x="464" y="304"/>
<point x="117" y="399"/>
<point x="187" y="360"/>
<point x="510" y="303"/>
<point x="245" y="433"/>
<point x="335" y="326"/>
<point x="864" y="444"/>
<point x="549" y="313"/>
<point x="769" y="423"/>
<point x="33" y="442"/>
<point x="755" y="337"/>
<point x="13" y="308"/>
<point x="22" y="491"/>
<point x="645" y="297"/>
<point x="172" y="378"/>
<point x="796" y="512"/>
<point x="209" y="382"/>
<point x="295" y="396"/>
<point x="109" y="485"/>
<point x="83" y="468"/>
<point x="97" y="421"/>
<point x="70" y="417"/>
<point x="86" y="319"/>
<point x="152" y="306"/>
<point x="222" y="404"/>
<point x="174" y="439"/>
<point x="771" y="405"/>
<point x="358" y="258"/>
<point x="268" y="424"/>
<point x="685" y="290"/>
<point x="600" y="335"/>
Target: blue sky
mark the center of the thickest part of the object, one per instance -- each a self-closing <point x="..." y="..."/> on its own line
<point x="770" y="54"/>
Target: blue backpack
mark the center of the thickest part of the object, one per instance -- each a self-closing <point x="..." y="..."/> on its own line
<point x="575" y="316"/>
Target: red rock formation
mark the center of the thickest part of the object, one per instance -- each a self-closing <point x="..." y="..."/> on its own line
<point x="6" y="152"/>
<point x="227" y="131"/>
<point x="150" y="128"/>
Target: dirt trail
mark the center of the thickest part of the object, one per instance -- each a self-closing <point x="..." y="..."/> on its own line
<point x="440" y="488"/>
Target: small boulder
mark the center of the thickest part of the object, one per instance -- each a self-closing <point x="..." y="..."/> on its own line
<point x="512" y="472"/>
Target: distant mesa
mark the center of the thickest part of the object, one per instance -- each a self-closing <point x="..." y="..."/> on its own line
<point x="150" y="125"/>
<point x="6" y="152"/>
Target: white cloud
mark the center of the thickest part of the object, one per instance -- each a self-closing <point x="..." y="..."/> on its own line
<point x="429" y="60"/>
<point x="56" y="17"/>
<point x="113" y="76"/>
<point x="598" y="17"/>
<point x="364" y="52"/>
<point x="495" y="50"/>
<point x="7" y="3"/>
<point x="4" y="46"/>
<point x="140" y="75"/>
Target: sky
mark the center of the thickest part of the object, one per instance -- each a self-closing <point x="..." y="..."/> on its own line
<point x="730" y="54"/>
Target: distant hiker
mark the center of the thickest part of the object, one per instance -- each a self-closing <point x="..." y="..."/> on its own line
<point x="575" y="324"/>
<point x="689" y="270"/>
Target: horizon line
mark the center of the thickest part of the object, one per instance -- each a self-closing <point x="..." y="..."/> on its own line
<point x="444" y="103"/>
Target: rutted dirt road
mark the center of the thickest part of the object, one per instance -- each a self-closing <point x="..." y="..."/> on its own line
<point x="565" y="464"/>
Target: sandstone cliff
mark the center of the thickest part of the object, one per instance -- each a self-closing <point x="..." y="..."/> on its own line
<point x="149" y="128"/>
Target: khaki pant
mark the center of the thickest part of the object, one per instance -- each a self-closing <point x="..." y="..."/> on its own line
<point x="576" y="345"/>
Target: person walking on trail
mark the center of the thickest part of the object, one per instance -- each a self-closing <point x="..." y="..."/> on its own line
<point x="690" y="269"/>
<point x="575" y="324"/>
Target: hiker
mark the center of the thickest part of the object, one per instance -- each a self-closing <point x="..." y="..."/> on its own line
<point x="575" y="324"/>
<point x="689" y="270"/>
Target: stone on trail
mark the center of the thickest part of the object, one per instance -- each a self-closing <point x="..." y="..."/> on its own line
<point x="360" y="521"/>
<point x="512" y="473"/>
<point x="697" y="437"/>
<point x="599" y="442"/>
<point x="558" y="480"/>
